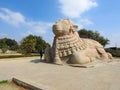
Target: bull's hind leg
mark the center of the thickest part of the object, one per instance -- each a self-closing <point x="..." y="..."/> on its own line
<point x="79" y="58"/>
<point x="109" y="56"/>
<point x="103" y="55"/>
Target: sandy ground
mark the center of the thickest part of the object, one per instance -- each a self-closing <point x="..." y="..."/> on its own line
<point x="55" y="77"/>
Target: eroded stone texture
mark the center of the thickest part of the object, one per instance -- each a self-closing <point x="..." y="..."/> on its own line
<point x="69" y="48"/>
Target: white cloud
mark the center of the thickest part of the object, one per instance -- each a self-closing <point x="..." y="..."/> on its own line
<point x="39" y="27"/>
<point x="13" y="18"/>
<point x="83" y="22"/>
<point x="18" y="20"/>
<point x="74" y="9"/>
<point x="2" y="35"/>
<point x="86" y="22"/>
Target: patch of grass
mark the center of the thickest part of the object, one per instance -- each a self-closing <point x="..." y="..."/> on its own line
<point x="4" y="82"/>
<point x="9" y="85"/>
<point x="5" y="85"/>
<point x="17" y="56"/>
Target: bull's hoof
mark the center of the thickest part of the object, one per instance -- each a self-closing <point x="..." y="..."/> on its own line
<point x="57" y="61"/>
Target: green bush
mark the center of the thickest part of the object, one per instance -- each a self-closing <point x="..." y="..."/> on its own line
<point x="114" y="52"/>
<point x="3" y="82"/>
<point x="4" y="48"/>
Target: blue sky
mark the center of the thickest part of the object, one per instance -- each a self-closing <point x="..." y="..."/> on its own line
<point x="19" y="18"/>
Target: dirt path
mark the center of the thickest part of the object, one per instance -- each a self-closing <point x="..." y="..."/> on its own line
<point x="55" y="77"/>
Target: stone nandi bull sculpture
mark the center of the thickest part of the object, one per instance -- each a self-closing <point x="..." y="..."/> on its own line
<point x="69" y="48"/>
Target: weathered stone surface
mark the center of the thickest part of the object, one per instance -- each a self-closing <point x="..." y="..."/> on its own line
<point x="69" y="48"/>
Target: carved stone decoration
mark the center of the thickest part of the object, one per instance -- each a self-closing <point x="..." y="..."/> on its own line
<point x="69" y="48"/>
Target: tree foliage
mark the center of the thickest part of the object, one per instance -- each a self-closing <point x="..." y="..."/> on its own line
<point x="32" y="43"/>
<point x="4" y="47"/>
<point x="114" y="51"/>
<point x="93" y="35"/>
<point x="7" y="43"/>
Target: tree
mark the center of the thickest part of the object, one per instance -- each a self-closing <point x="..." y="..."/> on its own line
<point x="93" y="35"/>
<point x="4" y="47"/>
<point x="28" y="44"/>
<point x="32" y="44"/>
<point x="10" y="43"/>
<point x="41" y="44"/>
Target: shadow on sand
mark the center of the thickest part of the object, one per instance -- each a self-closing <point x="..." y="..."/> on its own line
<point x="37" y="61"/>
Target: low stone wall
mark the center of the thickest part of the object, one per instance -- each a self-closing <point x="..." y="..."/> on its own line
<point x="25" y="85"/>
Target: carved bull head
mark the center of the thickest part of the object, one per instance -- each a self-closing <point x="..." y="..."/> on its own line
<point x="64" y="27"/>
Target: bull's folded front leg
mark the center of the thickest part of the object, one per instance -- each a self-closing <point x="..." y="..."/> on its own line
<point x="57" y="59"/>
